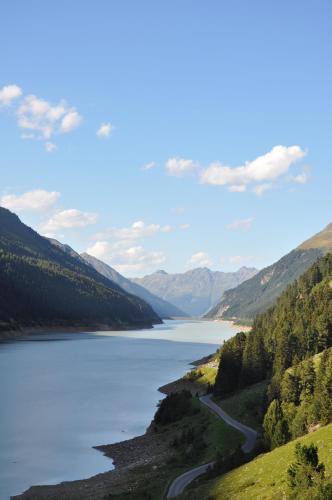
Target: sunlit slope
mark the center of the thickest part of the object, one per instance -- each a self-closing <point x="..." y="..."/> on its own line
<point x="266" y="476"/>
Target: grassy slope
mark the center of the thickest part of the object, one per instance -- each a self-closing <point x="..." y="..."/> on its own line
<point x="322" y="240"/>
<point x="265" y="478"/>
<point x="246" y="404"/>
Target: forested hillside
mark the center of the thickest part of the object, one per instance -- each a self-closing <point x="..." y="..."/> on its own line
<point x="41" y="285"/>
<point x="258" y="293"/>
<point x="281" y="347"/>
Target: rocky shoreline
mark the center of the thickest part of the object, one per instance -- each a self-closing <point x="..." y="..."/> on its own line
<point x="136" y="460"/>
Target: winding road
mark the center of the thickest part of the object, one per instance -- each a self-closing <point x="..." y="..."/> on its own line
<point x="178" y="484"/>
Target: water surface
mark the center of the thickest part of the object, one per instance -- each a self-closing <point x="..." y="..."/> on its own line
<point x="61" y="394"/>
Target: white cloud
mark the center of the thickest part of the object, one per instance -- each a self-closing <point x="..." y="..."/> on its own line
<point x="36" y="201"/>
<point x="261" y="188"/>
<point x="179" y="167"/>
<point x="70" y="121"/>
<point x="50" y="147"/>
<point x="100" y="249"/>
<point x="240" y="224"/>
<point x="8" y="93"/>
<point x="66" y="219"/>
<point x="149" y="166"/>
<point x="301" y="178"/>
<point x="199" y="259"/>
<point x="137" y="230"/>
<point x="126" y="258"/>
<point x="166" y="229"/>
<point x="104" y="130"/>
<point x="43" y="119"/>
<point x="183" y="227"/>
<point x="267" y="167"/>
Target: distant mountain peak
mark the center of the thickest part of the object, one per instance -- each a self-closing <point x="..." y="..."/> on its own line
<point x="194" y="291"/>
<point x="161" y="271"/>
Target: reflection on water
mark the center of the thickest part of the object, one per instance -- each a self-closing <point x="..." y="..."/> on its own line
<point x="61" y="394"/>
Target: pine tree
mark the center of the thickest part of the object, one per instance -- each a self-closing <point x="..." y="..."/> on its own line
<point x="275" y="426"/>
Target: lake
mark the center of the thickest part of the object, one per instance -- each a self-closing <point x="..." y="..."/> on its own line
<point x="61" y="394"/>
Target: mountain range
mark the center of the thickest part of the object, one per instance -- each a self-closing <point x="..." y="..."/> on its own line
<point x="194" y="291"/>
<point x="163" y="308"/>
<point x="258" y="293"/>
<point x="43" y="285"/>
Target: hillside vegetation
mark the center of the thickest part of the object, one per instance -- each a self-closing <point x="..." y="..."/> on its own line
<point x="281" y="348"/>
<point x="258" y="293"/>
<point x="42" y="285"/>
<point x="265" y="477"/>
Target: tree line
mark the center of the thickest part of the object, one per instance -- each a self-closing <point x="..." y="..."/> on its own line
<point x="279" y="348"/>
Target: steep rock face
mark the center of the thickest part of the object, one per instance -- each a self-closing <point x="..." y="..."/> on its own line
<point x="195" y="291"/>
<point x="43" y="285"/>
<point x="163" y="308"/>
<point x="260" y="292"/>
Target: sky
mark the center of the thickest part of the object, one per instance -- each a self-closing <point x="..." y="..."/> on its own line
<point x="168" y="135"/>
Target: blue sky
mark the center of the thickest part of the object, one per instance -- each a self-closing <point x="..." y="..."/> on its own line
<point x="191" y="89"/>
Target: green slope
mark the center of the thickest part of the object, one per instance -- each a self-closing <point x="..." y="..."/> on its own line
<point x="266" y="476"/>
<point x="42" y="285"/>
<point x="258" y="293"/>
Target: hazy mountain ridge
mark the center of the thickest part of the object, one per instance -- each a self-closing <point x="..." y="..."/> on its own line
<point x="258" y="293"/>
<point x="43" y="285"/>
<point x="163" y="308"/>
<point x="194" y="291"/>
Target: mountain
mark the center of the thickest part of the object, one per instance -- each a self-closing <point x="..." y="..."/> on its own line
<point x="163" y="309"/>
<point x="42" y="285"/>
<point x="195" y="291"/>
<point x="260" y="292"/>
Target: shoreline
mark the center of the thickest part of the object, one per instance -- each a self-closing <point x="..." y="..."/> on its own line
<point x="129" y="457"/>
<point x="14" y="334"/>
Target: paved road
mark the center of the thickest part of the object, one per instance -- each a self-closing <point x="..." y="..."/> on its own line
<point x="178" y="485"/>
